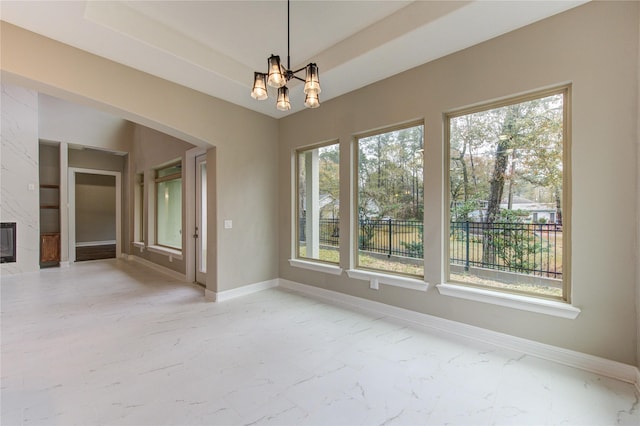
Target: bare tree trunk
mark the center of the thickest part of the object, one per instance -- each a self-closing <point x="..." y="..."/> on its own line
<point x="497" y="183"/>
<point x="558" y="206"/>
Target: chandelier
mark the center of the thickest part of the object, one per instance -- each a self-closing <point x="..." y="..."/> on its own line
<point x="278" y="76"/>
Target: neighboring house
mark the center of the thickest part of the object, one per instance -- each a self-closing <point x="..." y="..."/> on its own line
<point x="329" y="207"/>
<point x="546" y="212"/>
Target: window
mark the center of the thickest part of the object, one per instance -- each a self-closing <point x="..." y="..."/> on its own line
<point x="139" y="222"/>
<point x="390" y="201"/>
<point x="508" y="215"/>
<point x="318" y="203"/>
<point x="169" y="206"/>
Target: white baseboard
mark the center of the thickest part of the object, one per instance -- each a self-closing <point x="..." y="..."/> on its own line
<point x="173" y="274"/>
<point x="613" y="369"/>
<point x="221" y="296"/>
<point x="96" y="243"/>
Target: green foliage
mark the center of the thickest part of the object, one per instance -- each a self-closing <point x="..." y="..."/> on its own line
<point x="460" y="212"/>
<point x="512" y="242"/>
<point x="516" y="148"/>
<point x="366" y="234"/>
<point x="390" y="174"/>
<point x="416" y="248"/>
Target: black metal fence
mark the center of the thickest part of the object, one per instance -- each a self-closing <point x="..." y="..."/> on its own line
<point x="528" y="248"/>
<point x="391" y="237"/>
<point x="329" y="231"/>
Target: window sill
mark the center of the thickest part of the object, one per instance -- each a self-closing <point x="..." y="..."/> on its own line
<point x="139" y="244"/>
<point x="515" y="301"/>
<point x="172" y="253"/>
<point x="316" y="266"/>
<point x="375" y="278"/>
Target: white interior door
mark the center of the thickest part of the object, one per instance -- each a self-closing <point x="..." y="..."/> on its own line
<point x="200" y="235"/>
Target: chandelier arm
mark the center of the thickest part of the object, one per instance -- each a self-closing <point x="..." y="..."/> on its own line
<point x="298" y="78"/>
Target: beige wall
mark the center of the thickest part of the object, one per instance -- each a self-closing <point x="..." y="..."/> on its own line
<point x="246" y="169"/>
<point x="63" y="121"/>
<point x="637" y="191"/>
<point x="595" y="47"/>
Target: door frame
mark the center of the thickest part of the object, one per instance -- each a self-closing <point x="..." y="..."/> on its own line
<point x="72" y="208"/>
<point x="200" y="277"/>
<point x="189" y="177"/>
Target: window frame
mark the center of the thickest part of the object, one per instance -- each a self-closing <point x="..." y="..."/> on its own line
<point x="400" y="279"/>
<point x="296" y="258"/>
<point x="457" y="286"/>
<point x="139" y="219"/>
<point x="167" y="178"/>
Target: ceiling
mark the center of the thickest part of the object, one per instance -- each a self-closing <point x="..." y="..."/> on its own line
<point x="215" y="46"/>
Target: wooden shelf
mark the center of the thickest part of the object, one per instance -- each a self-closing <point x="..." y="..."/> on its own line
<point x="49" y="186"/>
<point x="49" y="206"/>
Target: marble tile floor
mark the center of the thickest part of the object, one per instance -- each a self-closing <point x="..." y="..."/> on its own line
<point x="114" y="343"/>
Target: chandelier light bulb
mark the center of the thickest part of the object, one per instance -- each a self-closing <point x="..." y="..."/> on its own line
<point x="312" y="80"/>
<point x="311" y="100"/>
<point x="275" y="79"/>
<point x="259" y="91"/>
<point x="283" y="103"/>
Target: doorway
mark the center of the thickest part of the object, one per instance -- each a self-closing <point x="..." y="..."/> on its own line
<point x="94" y="214"/>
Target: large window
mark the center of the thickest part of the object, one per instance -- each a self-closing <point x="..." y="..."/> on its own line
<point x="507" y="184"/>
<point x="169" y="206"/>
<point x="390" y="201"/>
<point x="318" y="203"/>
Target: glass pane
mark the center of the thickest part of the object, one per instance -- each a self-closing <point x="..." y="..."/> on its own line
<point x="390" y="202"/>
<point x="319" y="203"/>
<point x="169" y="217"/>
<point x="139" y="208"/>
<point x="506" y="184"/>
<point x="203" y="218"/>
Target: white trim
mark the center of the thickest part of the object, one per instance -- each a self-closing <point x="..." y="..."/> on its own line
<point x="509" y="300"/>
<point x="240" y="291"/>
<point x="316" y="266"/>
<point x="376" y="278"/>
<point x="171" y="253"/>
<point x="189" y="200"/>
<point x="96" y="243"/>
<point x="72" y="207"/>
<point x="637" y="383"/>
<point x="173" y="274"/>
<point x="613" y="369"/>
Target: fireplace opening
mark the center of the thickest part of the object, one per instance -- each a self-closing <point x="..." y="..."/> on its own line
<point x="7" y="242"/>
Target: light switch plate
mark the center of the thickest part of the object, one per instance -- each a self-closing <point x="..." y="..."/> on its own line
<point x="228" y="224"/>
